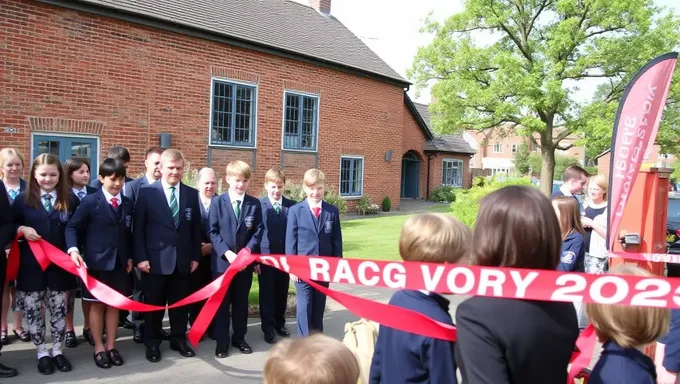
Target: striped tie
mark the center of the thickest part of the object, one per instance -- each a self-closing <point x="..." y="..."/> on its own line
<point x="277" y="208"/>
<point x="174" y="207"/>
<point x="48" y="202"/>
<point x="237" y="209"/>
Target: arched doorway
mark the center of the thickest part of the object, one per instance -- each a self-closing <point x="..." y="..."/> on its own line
<point x="410" y="176"/>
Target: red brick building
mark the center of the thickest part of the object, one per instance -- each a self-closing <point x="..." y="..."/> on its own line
<point x="271" y="82"/>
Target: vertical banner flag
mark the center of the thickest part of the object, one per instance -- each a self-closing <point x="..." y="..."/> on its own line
<point x="635" y="127"/>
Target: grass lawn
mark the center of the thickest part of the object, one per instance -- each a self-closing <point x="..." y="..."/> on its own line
<point x="374" y="238"/>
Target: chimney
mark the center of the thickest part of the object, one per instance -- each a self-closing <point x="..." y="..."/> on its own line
<point x="321" y="6"/>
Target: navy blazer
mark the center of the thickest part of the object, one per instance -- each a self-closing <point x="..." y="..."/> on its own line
<point x="226" y="233"/>
<point x="157" y="239"/>
<point x="107" y="236"/>
<point x="135" y="186"/>
<point x="572" y="254"/>
<point x="403" y="357"/>
<point x="307" y="235"/>
<point x="205" y="220"/>
<point x="671" y="360"/>
<point x="274" y="226"/>
<point x="96" y="184"/>
<point x="51" y="227"/>
<point x="22" y="187"/>
<point x="622" y="365"/>
<point x="6" y="223"/>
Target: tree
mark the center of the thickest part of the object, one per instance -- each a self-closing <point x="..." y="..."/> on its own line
<point x="522" y="159"/>
<point x="524" y="80"/>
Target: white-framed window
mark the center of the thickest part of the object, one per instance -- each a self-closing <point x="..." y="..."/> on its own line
<point x="497" y="148"/>
<point x="452" y="172"/>
<point x="504" y="171"/>
<point x="300" y="121"/>
<point x="514" y="148"/>
<point x="471" y="163"/>
<point x="351" y="176"/>
<point x="233" y="107"/>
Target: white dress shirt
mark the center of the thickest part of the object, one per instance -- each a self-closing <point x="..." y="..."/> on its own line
<point x="234" y="197"/>
<point x="315" y="205"/>
<point x="166" y="190"/>
<point x="205" y="201"/>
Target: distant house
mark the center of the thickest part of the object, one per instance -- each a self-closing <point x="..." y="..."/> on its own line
<point x="271" y="82"/>
<point x="653" y="158"/>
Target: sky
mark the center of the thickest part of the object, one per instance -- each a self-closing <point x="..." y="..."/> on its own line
<point x="391" y="29"/>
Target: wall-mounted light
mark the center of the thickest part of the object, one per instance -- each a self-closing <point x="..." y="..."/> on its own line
<point x="388" y="155"/>
<point x="166" y="139"/>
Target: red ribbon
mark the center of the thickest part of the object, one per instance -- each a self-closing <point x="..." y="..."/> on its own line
<point x="580" y="360"/>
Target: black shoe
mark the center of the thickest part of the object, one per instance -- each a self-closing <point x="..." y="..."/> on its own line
<point x="153" y="354"/>
<point x="183" y="348"/>
<point x="127" y="324"/>
<point x="7" y="372"/>
<point x="71" y="340"/>
<point x="283" y="331"/>
<point x="221" y="351"/>
<point x="62" y="363"/>
<point x="270" y="337"/>
<point x="102" y="360"/>
<point x="45" y="365"/>
<point x="115" y="357"/>
<point x="4" y="339"/>
<point x="87" y="335"/>
<point x="243" y="347"/>
<point x="139" y="335"/>
<point x="23" y="335"/>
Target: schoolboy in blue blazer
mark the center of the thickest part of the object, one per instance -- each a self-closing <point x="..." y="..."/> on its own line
<point x="235" y="223"/>
<point x="167" y="242"/>
<point x="273" y="282"/>
<point x="313" y="229"/>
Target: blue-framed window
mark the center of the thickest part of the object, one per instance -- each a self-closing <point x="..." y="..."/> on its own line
<point x="66" y="147"/>
<point x="351" y="176"/>
<point x="300" y="121"/>
<point x="233" y="114"/>
<point x="452" y="173"/>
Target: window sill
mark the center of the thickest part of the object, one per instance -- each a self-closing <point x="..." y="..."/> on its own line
<point x="353" y="197"/>
<point x="299" y="150"/>
<point x="231" y="146"/>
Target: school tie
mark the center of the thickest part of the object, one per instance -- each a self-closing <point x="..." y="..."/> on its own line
<point x="47" y="202"/>
<point x="174" y="207"/>
<point x="81" y="194"/>
<point x="13" y="193"/>
<point x="317" y="211"/>
<point x="277" y="208"/>
<point x="114" y="203"/>
<point x="237" y="208"/>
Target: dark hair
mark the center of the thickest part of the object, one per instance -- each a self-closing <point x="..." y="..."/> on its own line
<point x="112" y="167"/>
<point x="574" y="172"/>
<point x="73" y="164"/>
<point x="157" y="150"/>
<point x="119" y="153"/>
<point x="570" y="215"/>
<point x="62" y="188"/>
<point x="516" y="227"/>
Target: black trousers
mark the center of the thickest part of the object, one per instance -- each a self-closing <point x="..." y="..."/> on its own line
<point x="162" y="290"/>
<point x="137" y="295"/>
<point x="273" y="297"/>
<point x="3" y="270"/>
<point x="237" y="298"/>
<point x="199" y="279"/>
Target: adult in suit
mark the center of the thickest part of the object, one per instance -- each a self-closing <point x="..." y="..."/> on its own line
<point x="207" y="187"/>
<point x="574" y="181"/>
<point x="313" y="229"/>
<point x="122" y="154"/>
<point x="6" y="235"/>
<point x="273" y="282"/>
<point x="167" y="242"/>
<point x="532" y="341"/>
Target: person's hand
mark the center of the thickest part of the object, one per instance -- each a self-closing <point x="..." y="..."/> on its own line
<point x="7" y="252"/>
<point x="206" y="249"/>
<point x="144" y="266"/>
<point x="294" y="278"/>
<point x="30" y="234"/>
<point x="77" y="259"/>
<point x="128" y="268"/>
<point x="230" y="255"/>
<point x="587" y="222"/>
<point x="257" y="269"/>
<point x="194" y="265"/>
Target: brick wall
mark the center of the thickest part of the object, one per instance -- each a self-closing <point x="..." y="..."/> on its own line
<point x="127" y="83"/>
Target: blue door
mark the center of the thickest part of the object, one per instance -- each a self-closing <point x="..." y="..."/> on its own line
<point x="66" y="147"/>
<point x="410" y="176"/>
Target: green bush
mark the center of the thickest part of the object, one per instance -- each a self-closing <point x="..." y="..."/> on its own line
<point x="467" y="202"/>
<point x="335" y="199"/>
<point x="443" y="194"/>
<point x="365" y="206"/>
<point x="386" y="204"/>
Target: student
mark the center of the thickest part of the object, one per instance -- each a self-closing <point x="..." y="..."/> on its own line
<point x="273" y="282"/>
<point x="6" y="235"/>
<point x="11" y="169"/>
<point x="625" y="331"/>
<point x="78" y="176"/>
<point x="574" y="180"/>
<point x="318" y="359"/>
<point x="313" y="229"/>
<point x="235" y="223"/>
<point x="503" y="340"/>
<point x="573" y="251"/>
<point x="405" y="357"/>
<point x="102" y="228"/>
<point x="167" y="243"/>
<point x="42" y="212"/>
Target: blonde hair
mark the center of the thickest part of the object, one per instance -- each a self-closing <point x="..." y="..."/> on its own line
<point x="627" y="326"/>
<point x="172" y="155"/>
<point x="313" y="177"/>
<point x="434" y="238"/>
<point x="6" y="154"/>
<point x="602" y="182"/>
<point x="317" y="359"/>
<point x="239" y="168"/>
<point x="273" y="175"/>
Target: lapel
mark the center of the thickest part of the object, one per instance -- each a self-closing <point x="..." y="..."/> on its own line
<point x="22" y="185"/>
<point x="163" y="201"/>
<point x="322" y="217"/>
<point x="245" y="207"/>
<point x="305" y="206"/>
<point x="101" y="202"/>
<point x="127" y="209"/>
<point x="230" y="210"/>
<point x="183" y="199"/>
<point x="204" y="213"/>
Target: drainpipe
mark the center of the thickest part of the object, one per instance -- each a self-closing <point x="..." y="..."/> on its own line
<point x="427" y="185"/>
